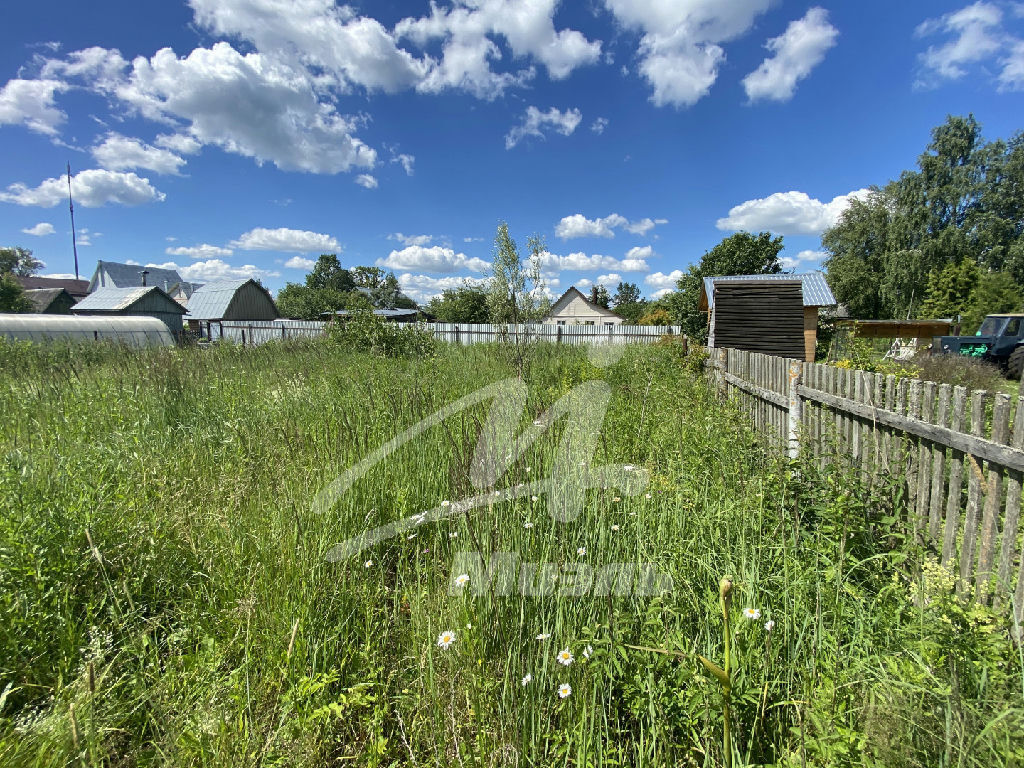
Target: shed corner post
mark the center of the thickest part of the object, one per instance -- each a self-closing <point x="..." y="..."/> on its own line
<point x="721" y="357"/>
<point x="795" y="408"/>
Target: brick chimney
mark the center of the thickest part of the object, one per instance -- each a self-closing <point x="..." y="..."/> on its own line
<point x="145" y="274"/>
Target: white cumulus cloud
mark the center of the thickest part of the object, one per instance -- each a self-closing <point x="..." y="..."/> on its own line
<point x="422" y="288"/>
<point x="796" y="52"/>
<point x="679" y="48"/>
<point x="204" y="251"/>
<point x="366" y="181"/>
<point x="973" y="36"/>
<point x="436" y="259"/>
<point x="286" y="240"/>
<point x="412" y="239"/>
<point x="662" y="281"/>
<point x="788" y="213"/>
<point x="32" y="102"/>
<point x="216" y="269"/>
<point x="120" y="153"/>
<point x="578" y="225"/>
<point x="91" y="188"/>
<point x="535" y="121"/>
<point x="300" y="262"/>
<point x="39" y="230"/>
<point x="803" y="260"/>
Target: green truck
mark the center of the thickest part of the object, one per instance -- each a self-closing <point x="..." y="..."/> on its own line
<point x="1000" y="340"/>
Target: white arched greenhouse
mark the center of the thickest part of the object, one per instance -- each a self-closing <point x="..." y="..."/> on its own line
<point x="133" y="331"/>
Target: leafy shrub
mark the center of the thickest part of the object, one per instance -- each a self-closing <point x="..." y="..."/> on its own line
<point x="366" y="332"/>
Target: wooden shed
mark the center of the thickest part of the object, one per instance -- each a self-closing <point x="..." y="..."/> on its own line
<point x="745" y="312"/>
<point x="230" y="300"/>
<point x="150" y="301"/>
<point x="50" y="301"/>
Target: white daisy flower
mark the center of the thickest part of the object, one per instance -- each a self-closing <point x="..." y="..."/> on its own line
<point x="469" y="626"/>
<point x="628" y="467"/>
<point x="445" y="639"/>
<point x="543" y="636"/>
<point x="538" y="423"/>
<point x="462" y="580"/>
<point x="368" y="564"/>
<point x="565" y="657"/>
<point x="616" y="499"/>
<point x="769" y="625"/>
<point x="564" y="690"/>
<point x="587" y="651"/>
<point x="615" y="527"/>
<point x="453" y="535"/>
<point x="527" y="469"/>
<point x="581" y="551"/>
<point x="647" y="495"/>
<point x="632" y="514"/>
<point x="527" y="524"/>
<point x="446" y="503"/>
<point x="533" y="498"/>
<point x="752" y="613"/>
<point x="526" y="679"/>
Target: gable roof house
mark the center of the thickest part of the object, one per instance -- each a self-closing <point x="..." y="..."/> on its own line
<point x="182" y="292"/>
<point x="149" y="300"/>
<point x="766" y="313"/>
<point x="573" y="308"/>
<point x="50" y="301"/>
<point x="231" y="300"/>
<point x="110" y="274"/>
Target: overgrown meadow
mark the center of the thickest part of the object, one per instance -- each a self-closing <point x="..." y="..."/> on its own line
<point x="166" y="597"/>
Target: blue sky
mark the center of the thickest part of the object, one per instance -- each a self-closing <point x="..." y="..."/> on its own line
<point x="245" y="137"/>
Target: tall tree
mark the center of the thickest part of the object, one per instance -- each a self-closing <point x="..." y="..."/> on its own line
<point x="626" y="293"/>
<point x="738" y="254"/>
<point x="328" y="273"/>
<point x="18" y="261"/>
<point x="465" y="304"/>
<point x="599" y="295"/>
<point x="516" y="293"/>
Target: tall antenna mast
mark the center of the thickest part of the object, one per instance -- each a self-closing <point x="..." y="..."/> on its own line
<point x="71" y="207"/>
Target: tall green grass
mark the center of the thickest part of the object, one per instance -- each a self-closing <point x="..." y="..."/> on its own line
<point x="166" y="598"/>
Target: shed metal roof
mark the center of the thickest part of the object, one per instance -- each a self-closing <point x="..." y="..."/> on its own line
<point x="77" y="288"/>
<point x="213" y="301"/>
<point x="815" y="289"/>
<point x="117" y="299"/>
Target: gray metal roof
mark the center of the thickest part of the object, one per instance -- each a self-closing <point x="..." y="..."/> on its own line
<point x="110" y="274"/>
<point x="377" y="312"/>
<point x="116" y="299"/>
<point x="816" y="290"/>
<point x="213" y="301"/>
<point x="42" y="298"/>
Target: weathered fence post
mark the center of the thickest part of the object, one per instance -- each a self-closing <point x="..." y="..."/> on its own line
<point x="721" y="366"/>
<point x="795" y="408"/>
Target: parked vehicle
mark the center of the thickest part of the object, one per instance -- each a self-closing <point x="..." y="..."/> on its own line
<point x="999" y="340"/>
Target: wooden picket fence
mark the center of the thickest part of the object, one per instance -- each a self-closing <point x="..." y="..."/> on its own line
<point x="960" y="453"/>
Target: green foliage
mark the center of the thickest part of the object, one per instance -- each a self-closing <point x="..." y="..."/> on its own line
<point x="364" y="331"/>
<point x="465" y="304"/>
<point x="892" y="252"/>
<point x="949" y="289"/>
<point x="996" y="292"/>
<point x="959" y="371"/>
<point x="655" y="315"/>
<point x="12" y="297"/>
<point x="18" y="261"/>
<point x="738" y="254"/>
<point x="329" y="287"/>
<point x="599" y="295"/>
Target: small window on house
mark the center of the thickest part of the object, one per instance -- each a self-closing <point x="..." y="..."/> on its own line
<point x="561" y="322"/>
<point x="589" y="322"/>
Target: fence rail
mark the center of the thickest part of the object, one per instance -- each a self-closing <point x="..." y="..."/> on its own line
<point x="959" y="453"/>
<point x="459" y="333"/>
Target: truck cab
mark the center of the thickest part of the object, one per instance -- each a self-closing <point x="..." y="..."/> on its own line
<point x="996" y="342"/>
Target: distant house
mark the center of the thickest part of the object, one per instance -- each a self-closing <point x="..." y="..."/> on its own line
<point x="230" y="300"/>
<point x="765" y="311"/>
<point x="78" y="289"/>
<point x="182" y="292"/>
<point x="50" y="301"/>
<point x="573" y="308"/>
<point x="150" y="301"/>
<point x="110" y="274"/>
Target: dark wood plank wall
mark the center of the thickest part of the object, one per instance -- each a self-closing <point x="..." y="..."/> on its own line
<point x="764" y="316"/>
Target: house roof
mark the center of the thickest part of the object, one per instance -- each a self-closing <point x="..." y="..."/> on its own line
<point x="385" y="313"/>
<point x="568" y="296"/>
<point x="77" y="288"/>
<point x="815" y="289"/>
<point x="42" y="298"/>
<point x="117" y="299"/>
<point x="185" y="287"/>
<point x="211" y="301"/>
<point x="130" y="275"/>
